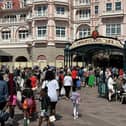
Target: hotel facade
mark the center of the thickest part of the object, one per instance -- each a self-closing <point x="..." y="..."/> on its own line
<point x="39" y="30"/>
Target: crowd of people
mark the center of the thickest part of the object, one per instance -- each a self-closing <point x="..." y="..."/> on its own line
<point x="20" y="87"/>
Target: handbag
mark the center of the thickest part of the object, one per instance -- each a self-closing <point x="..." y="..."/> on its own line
<point x="4" y="115"/>
<point x="19" y="96"/>
<point x="78" y="83"/>
<point x="62" y="92"/>
<point x="52" y="118"/>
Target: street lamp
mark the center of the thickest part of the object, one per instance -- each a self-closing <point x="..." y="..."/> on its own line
<point x="124" y="57"/>
<point x="66" y="55"/>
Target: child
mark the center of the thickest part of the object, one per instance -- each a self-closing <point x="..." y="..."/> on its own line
<point x="45" y="106"/>
<point x="76" y="100"/>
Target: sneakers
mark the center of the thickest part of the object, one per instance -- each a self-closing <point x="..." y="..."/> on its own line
<point x="75" y="117"/>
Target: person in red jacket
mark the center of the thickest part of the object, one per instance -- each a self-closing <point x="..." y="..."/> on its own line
<point x="34" y="82"/>
<point x="74" y="74"/>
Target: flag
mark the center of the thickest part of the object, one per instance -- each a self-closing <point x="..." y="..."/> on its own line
<point x="16" y="4"/>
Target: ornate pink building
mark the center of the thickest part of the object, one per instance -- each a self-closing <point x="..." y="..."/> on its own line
<point x="39" y="30"/>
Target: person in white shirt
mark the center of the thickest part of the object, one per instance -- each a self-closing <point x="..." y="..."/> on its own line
<point x="53" y="89"/>
<point x="107" y="74"/>
<point x="68" y="82"/>
<point x="111" y="81"/>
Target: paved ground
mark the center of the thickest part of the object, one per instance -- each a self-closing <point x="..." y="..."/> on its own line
<point x="94" y="111"/>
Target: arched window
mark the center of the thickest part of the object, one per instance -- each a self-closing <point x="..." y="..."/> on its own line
<point x="83" y="31"/>
<point x="6" y="34"/>
<point x="60" y="57"/>
<point x="41" y="57"/>
<point x="23" y="33"/>
<point x="21" y="59"/>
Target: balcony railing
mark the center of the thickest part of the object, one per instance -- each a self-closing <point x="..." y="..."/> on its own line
<point x="5" y="40"/>
<point x="61" y="2"/>
<point x="39" y="1"/>
<point x="29" y="17"/>
<point x="61" y="38"/>
<point x="41" y="38"/>
<point x="66" y="1"/>
<point x="29" y="2"/>
<point x="61" y="16"/>
<point x="12" y="22"/>
<point x="80" y="5"/>
<point x="83" y="18"/>
<point x="113" y="13"/>
<point x="40" y="15"/>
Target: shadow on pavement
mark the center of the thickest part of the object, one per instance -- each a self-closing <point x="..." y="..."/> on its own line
<point x="18" y="117"/>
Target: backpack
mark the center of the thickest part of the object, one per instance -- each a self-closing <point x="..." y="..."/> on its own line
<point x="80" y="73"/>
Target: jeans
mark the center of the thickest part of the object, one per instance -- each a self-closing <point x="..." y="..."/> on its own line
<point x="2" y="105"/>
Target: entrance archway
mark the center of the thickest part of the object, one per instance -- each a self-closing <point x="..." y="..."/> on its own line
<point x="99" y="51"/>
<point x="21" y="59"/>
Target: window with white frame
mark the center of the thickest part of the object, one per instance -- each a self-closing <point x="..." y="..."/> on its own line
<point x="84" y="32"/>
<point x="60" y="10"/>
<point x="41" y="10"/>
<point x="9" y="18"/>
<point x="23" y="34"/>
<point x="22" y="17"/>
<point x="8" y="5"/>
<point x="60" y="31"/>
<point x="108" y="6"/>
<point x="84" y="1"/>
<point x="84" y="14"/>
<point x="96" y="9"/>
<point x="6" y="35"/>
<point x="117" y="5"/>
<point x="41" y="31"/>
<point x="113" y="29"/>
<point x="24" y="3"/>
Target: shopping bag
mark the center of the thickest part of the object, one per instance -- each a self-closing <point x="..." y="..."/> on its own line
<point x="78" y="83"/>
<point x="19" y="96"/>
<point x="62" y="92"/>
<point x="52" y="118"/>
